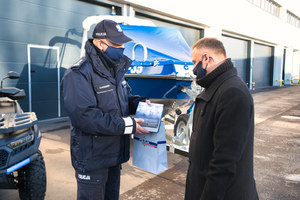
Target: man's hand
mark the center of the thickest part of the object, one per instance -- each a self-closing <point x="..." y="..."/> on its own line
<point x="148" y="102"/>
<point x="139" y="129"/>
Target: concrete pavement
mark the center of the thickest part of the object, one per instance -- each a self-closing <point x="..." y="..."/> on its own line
<point x="276" y="159"/>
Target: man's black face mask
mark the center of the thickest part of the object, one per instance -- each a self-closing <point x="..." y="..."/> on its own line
<point x="199" y="71"/>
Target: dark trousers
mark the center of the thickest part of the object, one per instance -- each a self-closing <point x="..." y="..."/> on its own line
<point x="102" y="184"/>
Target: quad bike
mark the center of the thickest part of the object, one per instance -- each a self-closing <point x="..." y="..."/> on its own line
<point x="22" y="164"/>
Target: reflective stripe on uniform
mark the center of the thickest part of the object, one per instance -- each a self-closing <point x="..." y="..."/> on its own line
<point x="128" y="125"/>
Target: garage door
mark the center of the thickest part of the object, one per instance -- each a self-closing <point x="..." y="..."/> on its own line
<point x="262" y="72"/>
<point x="238" y="51"/>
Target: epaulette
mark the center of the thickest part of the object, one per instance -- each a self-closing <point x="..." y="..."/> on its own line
<point x="78" y="64"/>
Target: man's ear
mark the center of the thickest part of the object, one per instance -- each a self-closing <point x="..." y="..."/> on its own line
<point x="205" y="58"/>
<point x="100" y="47"/>
<point x="97" y="43"/>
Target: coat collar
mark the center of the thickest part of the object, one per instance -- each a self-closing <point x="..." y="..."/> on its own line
<point x="210" y="91"/>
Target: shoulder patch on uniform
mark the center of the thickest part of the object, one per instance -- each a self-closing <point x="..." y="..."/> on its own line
<point x="78" y="63"/>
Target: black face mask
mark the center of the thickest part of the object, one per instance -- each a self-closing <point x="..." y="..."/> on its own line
<point x="199" y="71"/>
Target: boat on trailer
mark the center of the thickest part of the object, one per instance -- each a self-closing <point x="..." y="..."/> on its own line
<point x="161" y="57"/>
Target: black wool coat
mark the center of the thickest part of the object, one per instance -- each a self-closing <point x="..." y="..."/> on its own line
<point x="221" y="147"/>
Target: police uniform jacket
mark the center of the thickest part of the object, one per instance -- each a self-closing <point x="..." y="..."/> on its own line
<point x="221" y="146"/>
<point x="98" y="102"/>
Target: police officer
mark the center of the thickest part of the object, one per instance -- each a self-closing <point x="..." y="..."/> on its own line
<point x="98" y="101"/>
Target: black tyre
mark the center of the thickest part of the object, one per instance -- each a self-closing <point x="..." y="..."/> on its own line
<point x="180" y="124"/>
<point x="32" y="180"/>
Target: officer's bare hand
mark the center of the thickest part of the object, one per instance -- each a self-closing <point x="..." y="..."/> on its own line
<point x="148" y="102"/>
<point x="139" y="129"/>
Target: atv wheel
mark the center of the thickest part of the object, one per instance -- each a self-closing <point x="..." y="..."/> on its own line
<point x="32" y="180"/>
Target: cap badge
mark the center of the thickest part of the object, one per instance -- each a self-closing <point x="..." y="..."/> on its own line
<point x="119" y="28"/>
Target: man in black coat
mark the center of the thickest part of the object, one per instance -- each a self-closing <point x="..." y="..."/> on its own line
<point x="221" y="146"/>
<point x="98" y="101"/>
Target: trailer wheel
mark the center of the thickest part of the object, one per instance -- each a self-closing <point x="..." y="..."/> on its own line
<point x="181" y="124"/>
<point x="180" y="127"/>
<point x="32" y="180"/>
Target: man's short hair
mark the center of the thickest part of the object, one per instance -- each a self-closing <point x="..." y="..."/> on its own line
<point x="210" y="43"/>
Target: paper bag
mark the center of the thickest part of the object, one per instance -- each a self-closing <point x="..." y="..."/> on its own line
<point x="149" y="151"/>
